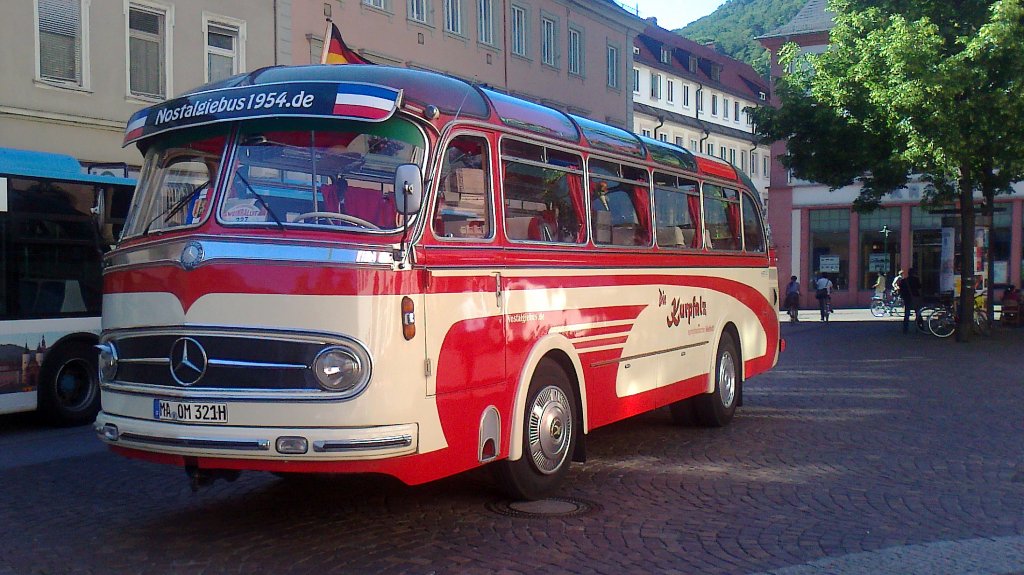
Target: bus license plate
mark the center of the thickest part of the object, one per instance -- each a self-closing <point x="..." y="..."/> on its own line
<point x="190" y="412"/>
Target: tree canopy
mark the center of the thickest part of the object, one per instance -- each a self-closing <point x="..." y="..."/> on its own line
<point x="930" y="87"/>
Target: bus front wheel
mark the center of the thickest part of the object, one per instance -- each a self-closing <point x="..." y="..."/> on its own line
<point x="549" y="436"/>
<point x="69" y="387"/>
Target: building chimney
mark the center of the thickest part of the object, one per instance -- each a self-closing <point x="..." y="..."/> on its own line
<point x="652" y="21"/>
<point x="711" y="44"/>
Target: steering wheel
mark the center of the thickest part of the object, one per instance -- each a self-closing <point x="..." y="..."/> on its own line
<point x="337" y="216"/>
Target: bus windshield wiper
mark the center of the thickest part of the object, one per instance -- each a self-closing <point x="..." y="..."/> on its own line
<point x="166" y="214"/>
<point x="260" y="199"/>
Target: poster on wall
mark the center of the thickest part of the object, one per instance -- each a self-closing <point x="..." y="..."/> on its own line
<point x="878" y="263"/>
<point x="980" y="259"/>
<point x="1001" y="272"/>
<point x="946" y="272"/>
<point x="828" y="264"/>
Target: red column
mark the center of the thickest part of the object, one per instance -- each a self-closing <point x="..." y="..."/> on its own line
<point x="906" y="241"/>
<point x="849" y="299"/>
<point x="1016" y="235"/>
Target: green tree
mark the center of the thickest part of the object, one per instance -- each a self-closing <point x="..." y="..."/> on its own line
<point x="934" y="87"/>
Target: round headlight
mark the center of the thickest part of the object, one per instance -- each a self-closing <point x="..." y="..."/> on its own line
<point x="338" y="369"/>
<point x="107" y="362"/>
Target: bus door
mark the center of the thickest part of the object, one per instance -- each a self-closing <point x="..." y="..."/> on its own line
<point x="465" y="311"/>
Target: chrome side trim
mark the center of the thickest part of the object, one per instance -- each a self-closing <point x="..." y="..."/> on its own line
<point x="233" y="250"/>
<point x="362" y="444"/>
<point x="146" y="360"/>
<point x="199" y="442"/>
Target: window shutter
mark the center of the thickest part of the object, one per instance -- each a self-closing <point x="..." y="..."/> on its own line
<point x="60" y="40"/>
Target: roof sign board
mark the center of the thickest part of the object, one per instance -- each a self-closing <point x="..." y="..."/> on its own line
<point x="337" y="100"/>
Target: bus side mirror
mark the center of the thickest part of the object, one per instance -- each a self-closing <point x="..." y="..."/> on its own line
<point x="408" y="189"/>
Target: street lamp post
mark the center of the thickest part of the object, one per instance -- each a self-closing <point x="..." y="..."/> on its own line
<point x="885" y="231"/>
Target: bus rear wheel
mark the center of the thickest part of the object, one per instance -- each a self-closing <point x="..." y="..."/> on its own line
<point x="549" y="436"/>
<point x="69" y="386"/>
<point x="716" y="409"/>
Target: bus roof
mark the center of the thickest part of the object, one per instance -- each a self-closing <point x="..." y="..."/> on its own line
<point x="259" y="94"/>
<point x="32" y="164"/>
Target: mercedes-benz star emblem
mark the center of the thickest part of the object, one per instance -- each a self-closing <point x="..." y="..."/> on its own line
<point x="188" y="361"/>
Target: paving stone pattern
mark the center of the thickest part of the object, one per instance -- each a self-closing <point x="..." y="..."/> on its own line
<point x="865" y="451"/>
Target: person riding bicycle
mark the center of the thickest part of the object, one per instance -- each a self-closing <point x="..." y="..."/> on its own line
<point x="896" y="284"/>
<point x="823" y="293"/>
<point x="880" y="286"/>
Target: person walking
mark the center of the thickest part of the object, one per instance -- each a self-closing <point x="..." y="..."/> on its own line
<point x="793" y="300"/>
<point x="910" y="291"/>
<point x="823" y="291"/>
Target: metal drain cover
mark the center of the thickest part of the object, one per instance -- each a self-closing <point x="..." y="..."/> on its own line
<point x="550" y="507"/>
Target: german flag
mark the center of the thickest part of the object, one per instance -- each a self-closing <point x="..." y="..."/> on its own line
<point x="335" y="50"/>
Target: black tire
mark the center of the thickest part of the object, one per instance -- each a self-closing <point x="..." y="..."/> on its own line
<point x="716" y="409"/>
<point x="69" y="385"/>
<point x="550" y="428"/>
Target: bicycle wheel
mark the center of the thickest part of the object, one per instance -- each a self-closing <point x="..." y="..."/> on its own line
<point x="878" y="308"/>
<point x="981" y="324"/>
<point x="942" y="323"/>
<point x="926" y="313"/>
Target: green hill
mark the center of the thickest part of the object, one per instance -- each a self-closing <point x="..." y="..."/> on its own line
<point x="735" y="24"/>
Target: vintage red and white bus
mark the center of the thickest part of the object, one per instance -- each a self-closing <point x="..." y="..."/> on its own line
<point x="372" y="269"/>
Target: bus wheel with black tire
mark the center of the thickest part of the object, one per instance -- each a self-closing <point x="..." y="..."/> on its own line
<point x="69" y="386"/>
<point x="717" y="408"/>
<point x="549" y="436"/>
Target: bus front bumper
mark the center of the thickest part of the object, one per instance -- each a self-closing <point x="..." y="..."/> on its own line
<point x="256" y="444"/>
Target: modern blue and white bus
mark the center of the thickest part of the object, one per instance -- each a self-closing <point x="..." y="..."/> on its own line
<point x="56" y="221"/>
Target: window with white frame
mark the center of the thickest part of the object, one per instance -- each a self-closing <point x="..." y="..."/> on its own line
<point x="700" y="100"/>
<point x="613" y="67"/>
<point x="316" y="48"/>
<point x="663" y="137"/>
<point x="732" y="156"/>
<point x="655" y="86"/>
<point x="636" y="81"/>
<point x="764" y="165"/>
<point x="711" y="149"/>
<point x="147" y="51"/>
<point x="636" y="50"/>
<point x="753" y="163"/>
<point x="646" y="133"/>
<point x="693" y="144"/>
<point x="679" y="141"/>
<point x="485" y="21"/>
<point x="666" y="55"/>
<point x="743" y="161"/>
<point x="379" y="4"/>
<point x="518" y="24"/>
<point x="62" y="52"/>
<point x="670" y="91"/>
<point x="714" y="104"/>
<point x="686" y="95"/>
<point x="418" y="10"/>
<point x="721" y="152"/>
<point x="736" y="110"/>
<point x="575" y="51"/>
<point x="224" y="52"/>
<point x="725" y="108"/>
<point x="548" y="39"/>
<point x="453" y="16"/>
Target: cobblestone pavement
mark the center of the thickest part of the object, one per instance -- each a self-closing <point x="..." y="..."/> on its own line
<point x="865" y="451"/>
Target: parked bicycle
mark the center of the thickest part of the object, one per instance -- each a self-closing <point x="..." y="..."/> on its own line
<point x="943" y="323"/>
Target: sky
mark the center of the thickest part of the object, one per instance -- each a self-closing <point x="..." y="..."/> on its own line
<point x="672" y="14"/>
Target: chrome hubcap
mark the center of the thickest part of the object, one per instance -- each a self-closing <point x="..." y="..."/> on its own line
<point x="727" y="379"/>
<point x="549" y="429"/>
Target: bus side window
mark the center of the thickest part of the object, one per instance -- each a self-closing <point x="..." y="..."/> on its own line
<point x="620" y="213"/>
<point x="753" y="231"/>
<point x="463" y="197"/>
<point x="722" y="218"/>
<point x="677" y="212"/>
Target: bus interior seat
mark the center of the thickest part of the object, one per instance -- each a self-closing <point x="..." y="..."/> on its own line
<point x="673" y="237"/>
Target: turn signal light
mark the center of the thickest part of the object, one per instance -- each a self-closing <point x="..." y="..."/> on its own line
<point x="408" y="318"/>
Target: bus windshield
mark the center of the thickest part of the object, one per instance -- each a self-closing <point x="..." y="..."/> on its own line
<point x="284" y="173"/>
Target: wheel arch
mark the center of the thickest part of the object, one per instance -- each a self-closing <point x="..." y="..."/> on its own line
<point x="85" y="337"/>
<point x="728" y="329"/>
<point x="560" y="350"/>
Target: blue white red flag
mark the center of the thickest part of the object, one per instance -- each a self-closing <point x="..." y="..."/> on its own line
<point x="366" y="101"/>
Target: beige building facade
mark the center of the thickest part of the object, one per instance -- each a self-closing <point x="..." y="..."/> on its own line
<point x="75" y="70"/>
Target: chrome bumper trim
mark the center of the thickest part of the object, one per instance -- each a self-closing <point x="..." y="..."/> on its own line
<point x="362" y="444"/>
<point x="227" y="444"/>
